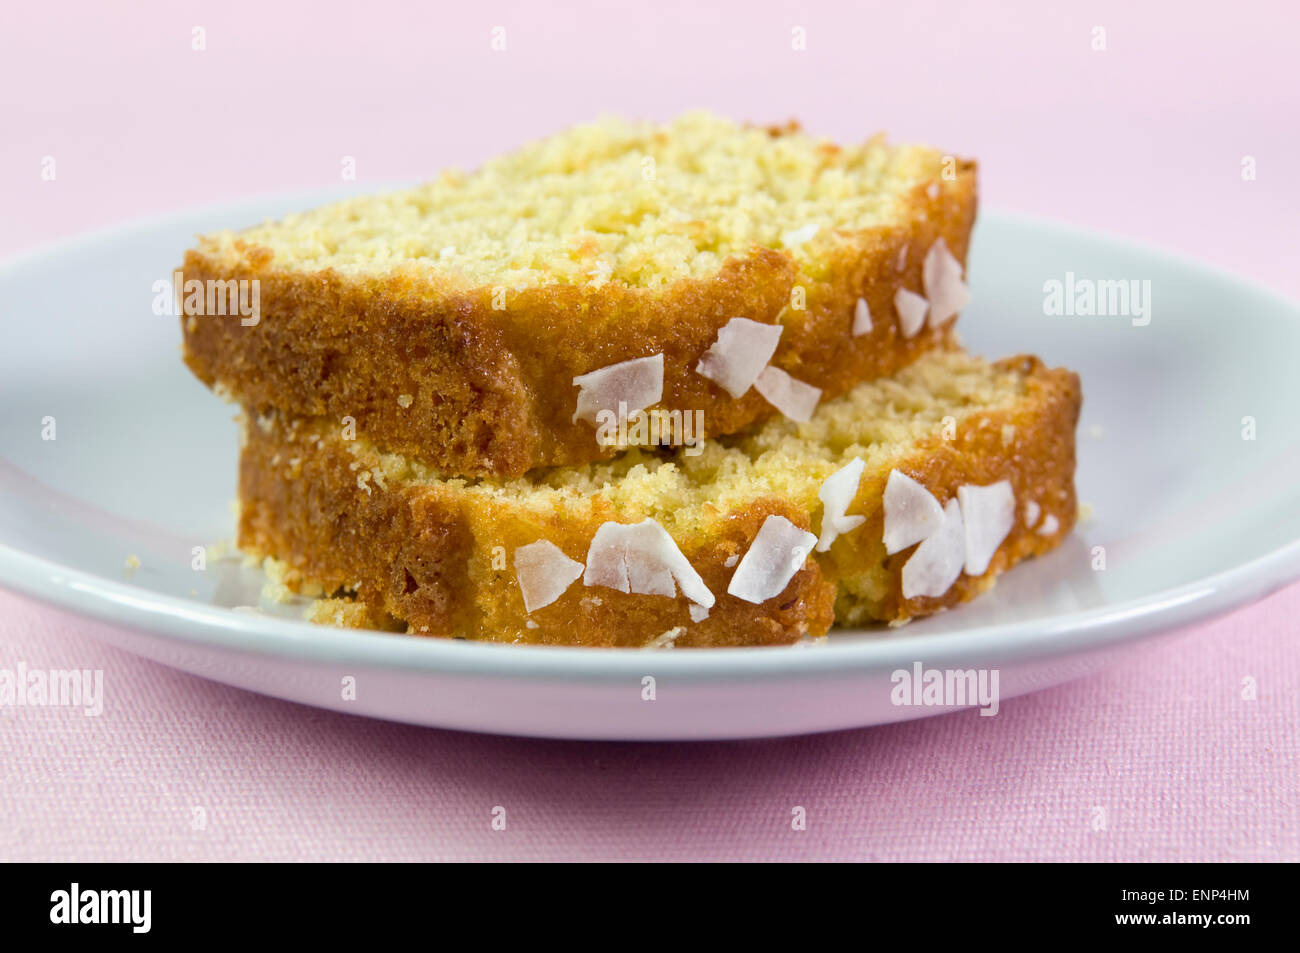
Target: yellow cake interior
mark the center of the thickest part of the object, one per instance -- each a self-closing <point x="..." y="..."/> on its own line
<point x="613" y="200"/>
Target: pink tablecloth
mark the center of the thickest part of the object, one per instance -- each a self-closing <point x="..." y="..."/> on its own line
<point x="1145" y="137"/>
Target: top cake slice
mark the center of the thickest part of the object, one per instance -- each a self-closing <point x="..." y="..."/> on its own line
<point x="584" y="293"/>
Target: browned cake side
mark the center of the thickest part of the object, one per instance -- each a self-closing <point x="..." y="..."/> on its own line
<point x="437" y="554"/>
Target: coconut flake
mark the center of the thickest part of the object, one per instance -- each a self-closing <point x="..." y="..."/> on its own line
<point x="602" y="272"/>
<point x="1032" y="512"/>
<point x="642" y="558"/>
<point x="797" y="236"/>
<point x="698" y="613"/>
<point x="774" y="556"/>
<point x="911" y="512"/>
<point x="837" y="494"/>
<point x="1050" y="525"/>
<point x="861" y="318"/>
<point x="739" y="355"/>
<point x="937" y="562"/>
<point x="911" y="308"/>
<point x="793" y="398"/>
<point x="638" y="383"/>
<point x="666" y="640"/>
<point x="941" y="275"/>
<point x="989" y="512"/>
<point x="544" y="573"/>
<point x="901" y="264"/>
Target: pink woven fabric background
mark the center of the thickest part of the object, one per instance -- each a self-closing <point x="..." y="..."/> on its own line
<point x="1144" y="138"/>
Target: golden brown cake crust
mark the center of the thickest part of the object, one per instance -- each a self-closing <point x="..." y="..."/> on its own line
<point x="441" y="376"/>
<point x="440" y="558"/>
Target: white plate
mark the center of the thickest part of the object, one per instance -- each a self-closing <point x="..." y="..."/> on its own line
<point x="1194" y="519"/>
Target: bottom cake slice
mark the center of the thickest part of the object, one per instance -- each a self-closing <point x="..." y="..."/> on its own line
<point x="904" y="496"/>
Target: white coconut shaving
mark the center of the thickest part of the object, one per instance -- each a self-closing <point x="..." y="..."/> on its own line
<point x="638" y="383"/>
<point x="797" y="236"/>
<point x="937" y="562"/>
<point x="1050" y="525"/>
<point x="1032" y="512"/>
<point x="642" y="558"/>
<point x="941" y="274"/>
<point x="544" y="573"/>
<point x="861" y="318"/>
<point x="601" y="273"/>
<point x="792" y="397"/>
<point x="837" y="494"/>
<point x="911" y="512"/>
<point x="911" y="308"/>
<point x="740" y="353"/>
<point x="775" y="555"/>
<point x="989" y="513"/>
<point x="698" y="613"/>
<point x="666" y="640"/>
